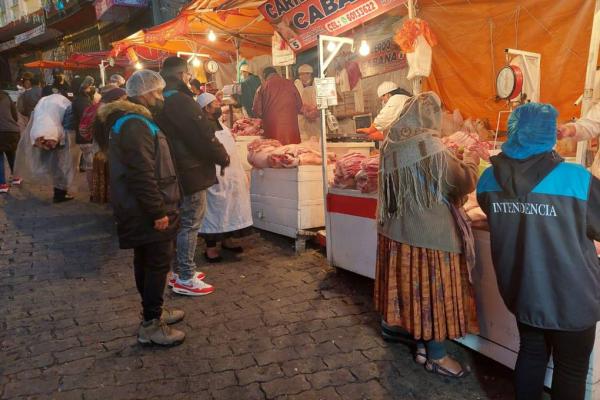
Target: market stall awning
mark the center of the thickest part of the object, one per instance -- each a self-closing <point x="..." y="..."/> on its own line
<point x="150" y="57"/>
<point x="54" y="64"/>
<point x="473" y="35"/>
<point x="190" y="30"/>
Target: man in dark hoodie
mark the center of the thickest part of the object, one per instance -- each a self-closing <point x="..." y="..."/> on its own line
<point x="145" y="197"/>
<point x="543" y="215"/>
<point x="196" y="151"/>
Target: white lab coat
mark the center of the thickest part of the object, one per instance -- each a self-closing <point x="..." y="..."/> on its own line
<point x="588" y="128"/>
<point x="228" y="202"/>
<point x="308" y="129"/>
<point x="390" y="112"/>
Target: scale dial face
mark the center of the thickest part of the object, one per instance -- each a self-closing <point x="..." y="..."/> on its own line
<point x="509" y="82"/>
<point x="212" y="66"/>
<point x="505" y="82"/>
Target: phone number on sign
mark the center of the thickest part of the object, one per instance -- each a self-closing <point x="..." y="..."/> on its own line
<point x="352" y="16"/>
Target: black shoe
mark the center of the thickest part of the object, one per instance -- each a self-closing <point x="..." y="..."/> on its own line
<point x="236" y="249"/>
<point x="62" y="199"/>
<point x="212" y="260"/>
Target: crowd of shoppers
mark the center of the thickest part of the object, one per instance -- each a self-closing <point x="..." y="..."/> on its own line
<point x="174" y="174"/>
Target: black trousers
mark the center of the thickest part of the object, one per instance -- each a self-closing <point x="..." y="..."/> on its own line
<point x="152" y="263"/>
<point x="571" y="356"/>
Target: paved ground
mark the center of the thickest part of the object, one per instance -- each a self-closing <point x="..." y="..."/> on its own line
<point x="279" y="326"/>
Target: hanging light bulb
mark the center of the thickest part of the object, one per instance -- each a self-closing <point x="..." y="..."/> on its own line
<point x="364" y="48"/>
<point x="211" y="36"/>
<point x="196" y="62"/>
<point x="331" y="47"/>
<point x="138" y="65"/>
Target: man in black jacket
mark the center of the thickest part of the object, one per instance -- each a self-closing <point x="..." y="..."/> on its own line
<point x="145" y="197"/>
<point x="59" y="85"/>
<point x="196" y="151"/>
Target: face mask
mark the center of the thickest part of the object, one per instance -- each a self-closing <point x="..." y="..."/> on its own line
<point x="157" y="107"/>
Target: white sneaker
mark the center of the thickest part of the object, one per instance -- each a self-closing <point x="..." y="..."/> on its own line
<point x="172" y="277"/>
<point x="192" y="287"/>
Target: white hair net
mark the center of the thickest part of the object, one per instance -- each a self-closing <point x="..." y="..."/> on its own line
<point x="144" y="81"/>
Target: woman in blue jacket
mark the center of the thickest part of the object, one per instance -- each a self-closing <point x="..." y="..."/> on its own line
<point x="543" y="215"/>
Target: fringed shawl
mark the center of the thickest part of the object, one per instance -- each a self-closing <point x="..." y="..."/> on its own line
<point x="413" y="160"/>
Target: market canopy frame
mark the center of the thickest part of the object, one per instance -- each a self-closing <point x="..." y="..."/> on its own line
<point x="239" y="32"/>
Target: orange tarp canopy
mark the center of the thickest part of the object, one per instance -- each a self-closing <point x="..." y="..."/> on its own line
<point x="56" y="64"/>
<point x="189" y="32"/>
<point x="472" y="36"/>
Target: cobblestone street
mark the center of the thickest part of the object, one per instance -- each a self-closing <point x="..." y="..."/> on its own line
<point x="279" y="326"/>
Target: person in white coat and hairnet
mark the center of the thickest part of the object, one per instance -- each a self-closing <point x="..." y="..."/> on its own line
<point x="308" y="121"/>
<point x="228" y="213"/>
<point x="393" y="99"/>
<point x="583" y="129"/>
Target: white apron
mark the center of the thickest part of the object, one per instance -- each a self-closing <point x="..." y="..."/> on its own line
<point x="228" y="202"/>
<point x="308" y="129"/>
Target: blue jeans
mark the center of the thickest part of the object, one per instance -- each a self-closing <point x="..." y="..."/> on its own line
<point x="192" y="213"/>
<point x="2" y="176"/>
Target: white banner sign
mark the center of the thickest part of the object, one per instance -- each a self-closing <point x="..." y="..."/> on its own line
<point x="8" y="45"/>
<point x="25" y="36"/>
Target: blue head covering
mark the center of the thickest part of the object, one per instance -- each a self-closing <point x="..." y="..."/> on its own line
<point x="531" y="131"/>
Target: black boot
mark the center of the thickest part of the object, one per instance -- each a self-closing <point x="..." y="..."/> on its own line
<point x="60" y="196"/>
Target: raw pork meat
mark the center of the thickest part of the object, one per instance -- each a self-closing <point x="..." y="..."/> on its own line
<point x="462" y="140"/>
<point x="346" y="169"/>
<point x="269" y="153"/>
<point x="367" y="178"/>
<point x="247" y="127"/>
<point x="292" y="155"/>
<point x="259" y="151"/>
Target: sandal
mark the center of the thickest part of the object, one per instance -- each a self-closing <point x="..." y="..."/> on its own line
<point x="435" y="368"/>
<point x="421" y="356"/>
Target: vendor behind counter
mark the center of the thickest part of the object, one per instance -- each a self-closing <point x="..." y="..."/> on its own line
<point x="278" y="103"/>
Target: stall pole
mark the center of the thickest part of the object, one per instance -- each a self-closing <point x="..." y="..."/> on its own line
<point x="416" y="82"/>
<point x="323" y="64"/>
<point x="102" y="72"/>
<point x="588" y="91"/>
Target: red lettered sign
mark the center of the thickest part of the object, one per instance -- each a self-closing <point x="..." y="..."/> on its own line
<point x="300" y="22"/>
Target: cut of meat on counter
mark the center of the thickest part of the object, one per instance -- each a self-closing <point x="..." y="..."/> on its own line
<point x="293" y="155"/>
<point x="460" y="141"/>
<point x="269" y="153"/>
<point x="346" y="169"/>
<point x="247" y="127"/>
<point x="259" y="151"/>
<point x="367" y="177"/>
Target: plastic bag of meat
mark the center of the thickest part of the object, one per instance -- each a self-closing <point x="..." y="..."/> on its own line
<point x="459" y="141"/>
<point x="259" y="151"/>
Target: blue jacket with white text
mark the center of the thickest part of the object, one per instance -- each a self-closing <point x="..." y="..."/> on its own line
<point x="543" y="216"/>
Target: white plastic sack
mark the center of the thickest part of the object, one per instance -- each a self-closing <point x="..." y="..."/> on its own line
<point x="419" y="61"/>
<point x="47" y="118"/>
<point x="44" y="167"/>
